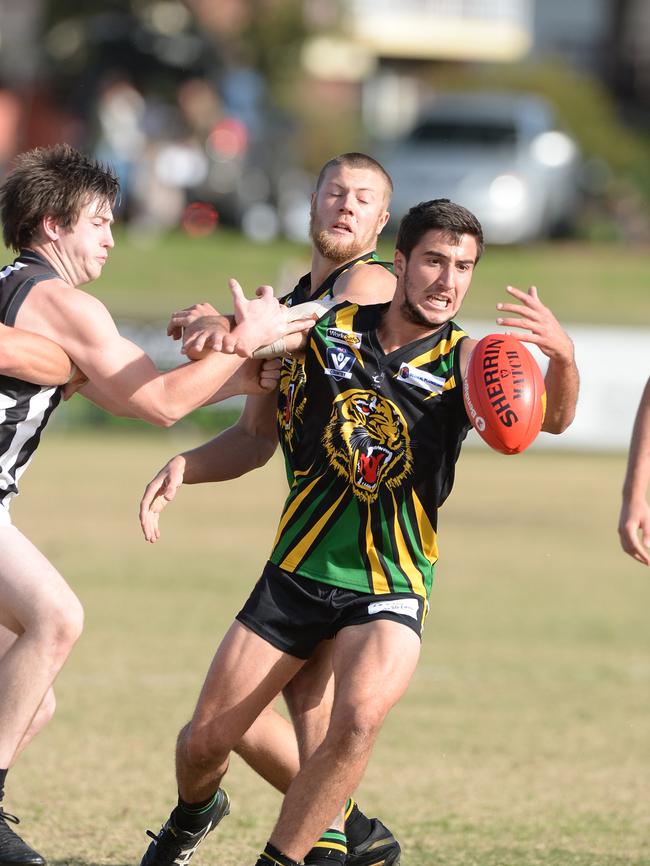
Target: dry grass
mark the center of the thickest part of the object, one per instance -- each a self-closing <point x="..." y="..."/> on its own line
<point x="523" y="740"/>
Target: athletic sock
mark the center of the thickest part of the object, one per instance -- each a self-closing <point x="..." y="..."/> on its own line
<point x="330" y="850"/>
<point x="270" y="856"/>
<point x="193" y="816"/>
<point x="3" y="776"/>
<point x="357" y="825"/>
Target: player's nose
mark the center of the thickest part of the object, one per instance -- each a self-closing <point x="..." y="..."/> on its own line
<point x="447" y="277"/>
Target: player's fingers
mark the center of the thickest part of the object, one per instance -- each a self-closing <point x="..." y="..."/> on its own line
<point x="519" y="309"/>
<point x="149" y="493"/>
<point x="228" y="344"/>
<point x="529" y="324"/>
<point x="199" y="340"/>
<point x="632" y="544"/>
<point x="299" y="326"/>
<point x="264" y="292"/>
<point x="236" y="290"/>
<point x="214" y="341"/>
<point x="532" y="291"/>
<point x="151" y="531"/>
<point x="524" y="297"/>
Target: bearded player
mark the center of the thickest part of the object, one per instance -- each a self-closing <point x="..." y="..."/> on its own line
<point x="349" y="210"/>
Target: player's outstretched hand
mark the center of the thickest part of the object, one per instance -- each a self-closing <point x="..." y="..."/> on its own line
<point x="259" y="322"/>
<point x="158" y="493"/>
<point x="182" y="319"/>
<point x="545" y="330"/>
<point x="634" y="531"/>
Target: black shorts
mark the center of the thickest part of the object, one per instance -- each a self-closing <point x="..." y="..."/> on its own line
<point x="295" y="613"/>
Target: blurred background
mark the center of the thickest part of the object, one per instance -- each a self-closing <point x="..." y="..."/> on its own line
<point x="217" y="115"/>
<point x="223" y="111"/>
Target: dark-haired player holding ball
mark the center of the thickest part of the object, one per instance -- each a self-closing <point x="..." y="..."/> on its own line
<point x="382" y="426"/>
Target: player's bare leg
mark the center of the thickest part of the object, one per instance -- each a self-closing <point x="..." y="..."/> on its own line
<point x="245" y="676"/>
<point x="40" y="621"/>
<point x="270" y="747"/>
<point x="385" y="654"/>
<point x="38" y="606"/>
<point x="47" y="706"/>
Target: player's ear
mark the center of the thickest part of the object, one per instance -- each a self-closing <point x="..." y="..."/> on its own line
<point x="383" y="219"/>
<point x="50" y="228"/>
<point x="399" y="263"/>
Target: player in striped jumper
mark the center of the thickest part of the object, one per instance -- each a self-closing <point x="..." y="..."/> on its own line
<point x="56" y="208"/>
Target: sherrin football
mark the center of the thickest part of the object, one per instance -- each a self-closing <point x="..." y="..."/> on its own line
<point x="504" y="393"/>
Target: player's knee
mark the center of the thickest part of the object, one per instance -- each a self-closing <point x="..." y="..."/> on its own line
<point x="66" y="625"/>
<point x="205" y="747"/>
<point x="356" y="729"/>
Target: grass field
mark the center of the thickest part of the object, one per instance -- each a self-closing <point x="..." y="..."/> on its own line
<point x="524" y="737"/>
<point x="586" y="282"/>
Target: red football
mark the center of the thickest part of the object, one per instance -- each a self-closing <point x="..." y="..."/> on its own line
<point x="504" y="393"/>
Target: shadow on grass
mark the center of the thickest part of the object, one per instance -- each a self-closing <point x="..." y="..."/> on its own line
<point x="77" y="861"/>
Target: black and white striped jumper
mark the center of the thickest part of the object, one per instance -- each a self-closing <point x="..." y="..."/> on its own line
<point x="25" y="409"/>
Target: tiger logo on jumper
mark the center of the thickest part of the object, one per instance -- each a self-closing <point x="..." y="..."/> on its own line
<point x="368" y="443"/>
<point x="291" y="401"/>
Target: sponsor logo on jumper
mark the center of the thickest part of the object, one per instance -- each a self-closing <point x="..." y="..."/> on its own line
<point x="422" y="379"/>
<point x="339" y="363"/>
<point x="403" y="606"/>
<point x="349" y="338"/>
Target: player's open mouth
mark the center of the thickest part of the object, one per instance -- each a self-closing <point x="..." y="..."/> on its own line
<point x="344" y="227"/>
<point x="438" y="302"/>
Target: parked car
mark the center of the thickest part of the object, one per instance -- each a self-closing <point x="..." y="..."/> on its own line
<point x="501" y="155"/>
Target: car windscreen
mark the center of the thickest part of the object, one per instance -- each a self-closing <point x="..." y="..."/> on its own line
<point x="464" y="133"/>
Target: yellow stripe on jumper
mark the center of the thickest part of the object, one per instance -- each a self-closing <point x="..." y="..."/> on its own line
<point x="291" y="561"/>
<point x="291" y="510"/>
<point x="405" y="560"/>
<point x="378" y="575"/>
<point x="443" y="348"/>
<point x="427" y="532"/>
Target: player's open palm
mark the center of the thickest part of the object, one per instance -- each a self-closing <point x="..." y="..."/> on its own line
<point x="158" y="493"/>
<point x="532" y="315"/>
<point x="259" y="322"/>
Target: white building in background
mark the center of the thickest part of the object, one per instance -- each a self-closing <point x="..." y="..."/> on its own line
<point x="489" y="30"/>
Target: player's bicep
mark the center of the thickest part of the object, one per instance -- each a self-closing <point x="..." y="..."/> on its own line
<point x="118" y="369"/>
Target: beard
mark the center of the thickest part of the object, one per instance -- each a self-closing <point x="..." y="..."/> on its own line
<point x="338" y="249"/>
<point x="412" y="314"/>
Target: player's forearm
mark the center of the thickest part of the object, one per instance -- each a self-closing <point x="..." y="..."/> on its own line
<point x="230" y="455"/>
<point x="172" y="395"/>
<point x="562" y="382"/>
<point x="247" y="445"/>
<point x="32" y="358"/>
<point x="637" y="476"/>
